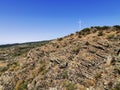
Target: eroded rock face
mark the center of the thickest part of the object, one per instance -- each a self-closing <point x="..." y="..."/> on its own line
<point x="82" y="61"/>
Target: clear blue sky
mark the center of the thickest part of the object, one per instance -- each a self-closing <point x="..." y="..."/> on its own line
<point x="34" y="20"/>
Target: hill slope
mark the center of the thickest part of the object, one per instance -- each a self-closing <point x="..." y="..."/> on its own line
<point x="86" y="60"/>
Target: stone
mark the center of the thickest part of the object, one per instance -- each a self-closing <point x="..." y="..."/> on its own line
<point x="1" y="87"/>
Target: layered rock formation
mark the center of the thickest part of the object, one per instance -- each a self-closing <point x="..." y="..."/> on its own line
<point x="86" y="60"/>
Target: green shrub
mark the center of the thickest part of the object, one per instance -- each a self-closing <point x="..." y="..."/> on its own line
<point x="100" y="33"/>
<point x="102" y="28"/>
<point x="65" y="74"/>
<point x="117" y="69"/>
<point x="76" y="50"/>
<point x="71" y="34"/>
<point x="117" y="86"/>
<point x="79" y="36"/>
<point x="42" y="68"/>
<point x="60" y="39"/>
<point x="97" y="27"/>
<point x="92" y="27"/>
<point x="69" y="85"/>
<point x="77" y="32"/>
<point x="117" y="26"/>
<point x="13" y="64"/>
<point x="86" y="31"/>
<point x="87" y="43"/>
<point x="3" y="69"/>
<point x="2" y="59"/>
<point x="23" y="86"/>
<point x="105" y="27"/>
<point x="98" y="75"/>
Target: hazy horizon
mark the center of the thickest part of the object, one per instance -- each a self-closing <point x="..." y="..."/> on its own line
<point x="38" y="20"/>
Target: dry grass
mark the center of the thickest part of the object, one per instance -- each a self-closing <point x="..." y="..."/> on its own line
<point x="19" y="82"/>
<point x="111" y="35"/>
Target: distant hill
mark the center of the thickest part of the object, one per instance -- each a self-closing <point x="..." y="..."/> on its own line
<point x="86" y="60"/>
<point x="20" y="44"/>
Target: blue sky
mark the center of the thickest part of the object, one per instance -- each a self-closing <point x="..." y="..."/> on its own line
<point x="36" y="20"/>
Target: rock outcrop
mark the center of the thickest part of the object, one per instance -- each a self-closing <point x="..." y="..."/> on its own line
<point x="86" y="60"/>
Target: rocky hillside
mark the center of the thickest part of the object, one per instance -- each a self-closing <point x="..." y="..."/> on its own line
<point x="86" y="60"/>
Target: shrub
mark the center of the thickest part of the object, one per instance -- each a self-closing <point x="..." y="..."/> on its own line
<point x="19" y="82"/>
<point x="105" y="27"/>
<point x="92" y="27"/>
<point x="77" y="32"/>
<point x="98" y="75"/>
<point x="100" y="33"/>
<point x="97" y="27"/>
<point x="76" y="50"/>
<point x="2" y="59"/>
<point x="87" y="43"/>
<point x="71" y="34"/>
<point x="79" y="36"/>
<point x="70" y="57"/>
<point x="102" y="28"/>
<point x="117" y="26"/>
<point x="60" y="39"/>
<point x="65" y="74"/>
<point x="111" y="35"/>
<point x="13" y="64"/>
<point x="69" y="85"/>
<point x="42" y="68"/>
<point x="117" y="69"/>
<point x="117" y="87"/>
<point x="83" y="32"/>
<point x="86" y="31"/>
<point x="23" y="86"/>
<point x="3" y="69"/>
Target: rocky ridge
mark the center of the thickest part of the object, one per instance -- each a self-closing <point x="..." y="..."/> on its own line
<point x="86" y="60"/>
